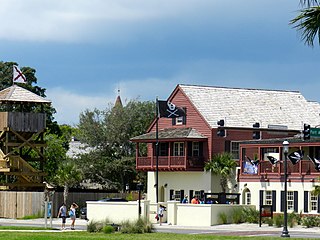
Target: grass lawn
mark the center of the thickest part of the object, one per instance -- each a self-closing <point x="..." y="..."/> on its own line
<point x="115" y="236"/>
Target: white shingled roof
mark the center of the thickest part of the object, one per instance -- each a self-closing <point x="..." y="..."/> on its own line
<point x="16" y="93"/>
<point x="243" y="107"/>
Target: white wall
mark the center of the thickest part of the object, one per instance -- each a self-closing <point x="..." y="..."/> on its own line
<point x="114" y="211"/>
<point x="255" y="188"/>
<point x="181" y="181"/>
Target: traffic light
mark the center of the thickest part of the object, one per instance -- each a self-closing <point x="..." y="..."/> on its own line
<point x="221" y="131"/>
<point x="306" y="131"/>
<point x="256" y="134"/>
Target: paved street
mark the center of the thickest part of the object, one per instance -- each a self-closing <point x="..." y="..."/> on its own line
<point x="226" y="229"/>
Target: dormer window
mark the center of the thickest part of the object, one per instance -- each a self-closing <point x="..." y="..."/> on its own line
<point x="180" y="120"/>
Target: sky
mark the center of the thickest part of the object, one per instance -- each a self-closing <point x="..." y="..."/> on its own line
<point x="85" y="50"/>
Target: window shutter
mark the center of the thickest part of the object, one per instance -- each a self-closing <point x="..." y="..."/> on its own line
<point x="189" y="149"/>
<point x="190" y="195"/>
<point x="184" y="119"/>
<point x="200" y="149"/>
<point x="227" y="146"/>
<point x="274" y="200"/>
<point x="295" y="199"/>
<point x="261" y="197"/>
<point x="306" y="202"/>
<point x="173" y="121"/>
<point x="171" y="194"/>
<point x="202" y="194"/>
<point x="282" y="199"/>
<point x="181" y="195"/>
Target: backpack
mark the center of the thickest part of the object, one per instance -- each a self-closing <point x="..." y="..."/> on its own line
<point x="71" y="213"/>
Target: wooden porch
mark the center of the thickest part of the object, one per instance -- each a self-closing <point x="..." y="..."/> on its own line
<point x="170" y="163"/>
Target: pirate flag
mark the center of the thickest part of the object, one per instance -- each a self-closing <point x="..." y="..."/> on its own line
<point x="253" y="162"/>
<point x="169" y="110"/>
<point x="316" y="163"/>
<point x="296" y="156"/>
<point x="273" y="160"/>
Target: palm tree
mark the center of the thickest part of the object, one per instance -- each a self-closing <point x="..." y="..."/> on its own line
<point x="222" y="164"/>
<point x="308" y="21"/>
<point x="316" y="189"/>
<point x="67" y="176"/>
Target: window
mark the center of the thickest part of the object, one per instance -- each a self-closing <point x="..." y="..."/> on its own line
<point x="179" y="120"/>
<point x="177" y="195"/>
<point x="178" y="149"/>
<point x="313" y="202"/>
<point x="268" y="198"/>
<point x="195" y="149"/>
<point x="248" y="198"/>
<point x="235" y="146"/>
<point x="163" y="149"/>
<point x="290" y="200"/>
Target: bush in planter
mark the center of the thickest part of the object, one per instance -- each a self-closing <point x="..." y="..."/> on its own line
<point x="108" y="229"/>
<point x="278" y="220"/>
<point x="237" y="216"/>
<point x="223" y="218"/>
<point x="138" y="226"/>
<point x="94" y="226"/>
<point x="251" y="215"/>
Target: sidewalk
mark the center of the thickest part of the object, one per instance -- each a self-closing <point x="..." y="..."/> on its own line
<point x="243" y="229"/>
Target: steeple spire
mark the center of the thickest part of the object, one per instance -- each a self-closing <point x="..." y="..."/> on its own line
<point x="118" y="100"/>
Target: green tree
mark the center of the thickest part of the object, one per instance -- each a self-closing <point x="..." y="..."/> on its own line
<point x="68" y="175"/>
<point x="308" y="21"/>
<point x="222" y="164"/>
<point x="112" y="161"/>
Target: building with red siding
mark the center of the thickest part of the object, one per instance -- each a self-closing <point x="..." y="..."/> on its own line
<point x="186" y="143"/>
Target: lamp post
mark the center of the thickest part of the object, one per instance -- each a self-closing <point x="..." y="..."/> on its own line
<point x="140" y="188"/>
<point x="285" y="232"/>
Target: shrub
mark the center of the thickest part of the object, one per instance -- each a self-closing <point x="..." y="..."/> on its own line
<point x="310" y="221"/>
<point x="94" y="226"/>
<point x="251" y="215"/>
<point x="268" y="221"/>
<point x="237" y="216"/>
<point x="278" y="220"/>
<point x="108" y="229"/>
<point x="292" y="219"/>
<point x="223" y="218"/>
<point x="138" y="226"/>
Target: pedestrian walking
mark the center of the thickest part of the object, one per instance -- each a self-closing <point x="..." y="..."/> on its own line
<point x="72" y="214"/>
<point x="63" y="215"/>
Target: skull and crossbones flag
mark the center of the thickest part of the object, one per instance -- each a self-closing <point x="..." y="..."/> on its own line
<point x="296" y="156"/>
<point x="169" y="110"/>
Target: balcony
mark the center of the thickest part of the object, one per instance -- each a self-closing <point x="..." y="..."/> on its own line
<point x="170" y="163"/>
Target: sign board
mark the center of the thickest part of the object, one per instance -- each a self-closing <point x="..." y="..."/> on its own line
<point x="265" y="211"/>
<point x="315" y="132"/>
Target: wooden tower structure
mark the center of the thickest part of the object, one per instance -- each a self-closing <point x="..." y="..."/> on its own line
<point x="22" y="127"/>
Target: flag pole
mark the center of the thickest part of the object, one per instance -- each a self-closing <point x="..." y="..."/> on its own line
<point x="157" y="151"/>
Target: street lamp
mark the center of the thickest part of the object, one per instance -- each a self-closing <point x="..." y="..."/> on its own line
<point x="285" y="232"/>
<point x="139" y="188"/>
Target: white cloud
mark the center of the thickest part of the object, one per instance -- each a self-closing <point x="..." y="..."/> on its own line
<point x="69" y="105"/>
<point x="82" y="20"/>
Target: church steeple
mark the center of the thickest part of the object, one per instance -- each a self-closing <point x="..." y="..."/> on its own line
<point x="118" y="100"/>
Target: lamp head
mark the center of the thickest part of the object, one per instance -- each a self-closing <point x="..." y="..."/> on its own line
<point x="285" y="146"/>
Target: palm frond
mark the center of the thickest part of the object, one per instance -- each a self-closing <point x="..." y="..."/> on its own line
<point x="308" y="23"/>
<point x="309" y="3"/>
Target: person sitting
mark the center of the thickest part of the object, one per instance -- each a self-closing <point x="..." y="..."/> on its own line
<point x="195" y="200"/>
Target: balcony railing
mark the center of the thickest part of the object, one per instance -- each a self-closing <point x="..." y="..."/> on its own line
<point x="170" y="163"/>
<point x="304" y="167"/>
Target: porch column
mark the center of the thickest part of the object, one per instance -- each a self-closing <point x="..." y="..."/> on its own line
<point x="185" y="153"/>
<point x="169" y="154"/>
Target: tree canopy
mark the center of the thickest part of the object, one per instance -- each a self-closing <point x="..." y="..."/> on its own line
<point x="108" y="132"/>
<point x="222" y="164"/>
